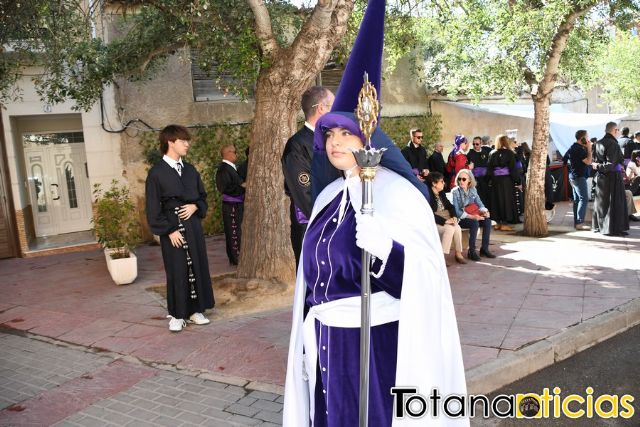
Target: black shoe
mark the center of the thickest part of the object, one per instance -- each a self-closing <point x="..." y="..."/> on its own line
<point x="633" y="218"/>
<point x="473" y="255"/>
<point x="486" y="253"/>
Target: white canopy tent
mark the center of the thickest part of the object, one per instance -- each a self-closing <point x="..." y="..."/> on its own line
<point x="563" y="123"/>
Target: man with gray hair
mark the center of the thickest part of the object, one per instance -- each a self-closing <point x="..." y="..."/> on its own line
<point x="610" y="215"/>
<point x="296" y="163"/>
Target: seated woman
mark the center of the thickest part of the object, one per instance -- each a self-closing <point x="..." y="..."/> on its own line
<point x="472" y="213"/>
<point x="445" y="215"/>
<point x="633" y="173"/>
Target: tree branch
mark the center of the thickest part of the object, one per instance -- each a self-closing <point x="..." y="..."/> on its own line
<point x="323" y="24"/>
<point x="159" y="51"/>
<point x="558" y="45"/>
<point x="264" y="32"/>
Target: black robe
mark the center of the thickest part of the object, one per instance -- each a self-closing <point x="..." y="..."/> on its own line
<point x="521" y="166"/>
<point x="417" y="157"/>
<point x="480" y="159"/>
<point x="502" y="205"/>
<point x="436" y="163"/>
<point x="229" y="183"/>
<point x="296" y="167"/>
<point x="610" y="215"/>
<point x="166" y="190"/>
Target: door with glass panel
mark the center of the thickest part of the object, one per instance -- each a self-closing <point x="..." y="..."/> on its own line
<point x="58" y="183"/>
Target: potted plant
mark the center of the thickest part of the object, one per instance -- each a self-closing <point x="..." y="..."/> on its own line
<point x="117" y="230"/>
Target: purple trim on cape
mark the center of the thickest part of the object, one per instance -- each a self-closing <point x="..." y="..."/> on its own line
<point x="330" y="121"/>
<point x="501" y="171"/>
<point x="300" y="216"/>
<point x="617" y="168"/>
<point x="232" y="199"/>
<point x="479" y="171"/>
<point x="518" y="164"/>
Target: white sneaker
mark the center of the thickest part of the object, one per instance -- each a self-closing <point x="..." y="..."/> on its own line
<point x="176" y="325"/>
<point x="549" y="214"/>
<point x="199" y="319"/>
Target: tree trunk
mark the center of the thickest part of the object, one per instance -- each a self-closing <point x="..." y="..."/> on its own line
<point x="266" y="251"/>
<point x="535" y="224"/>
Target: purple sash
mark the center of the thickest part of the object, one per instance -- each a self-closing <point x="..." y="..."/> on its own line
<point x="300" y="216"/>
<point x="232" y="199"/>
<point x="479" y="171"/>
<point x="518" y="164"/>
<point x="618" y="168"/>
<point x="503" y="171"/>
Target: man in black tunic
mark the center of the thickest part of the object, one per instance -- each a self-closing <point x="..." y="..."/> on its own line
<point x="231" y="185"/>
<point x="436" y="162"/>
<point x="175" y="203"/>
<point x="610" y="215"/>
<point x="296" y="163"/>
<point x="479" y="156"/>
<point x="416" y="154"/>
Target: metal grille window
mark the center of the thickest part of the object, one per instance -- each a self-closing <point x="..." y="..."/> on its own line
<point x="330" y="76"/>
<point x="208" y="85"/>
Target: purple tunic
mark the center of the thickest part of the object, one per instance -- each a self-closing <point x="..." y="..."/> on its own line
<point x="332" y="268"/>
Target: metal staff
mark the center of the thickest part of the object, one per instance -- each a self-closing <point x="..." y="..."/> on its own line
<point x="367" y="159"/>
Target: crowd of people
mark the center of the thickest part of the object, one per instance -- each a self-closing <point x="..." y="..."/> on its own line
<point x="413" y="330"/>
<point x="477" y="186"/>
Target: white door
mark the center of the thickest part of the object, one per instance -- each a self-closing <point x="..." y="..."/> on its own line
<point x="58" y="182"/>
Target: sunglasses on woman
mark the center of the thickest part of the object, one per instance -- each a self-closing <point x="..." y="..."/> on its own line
<point x="462" y="179"/>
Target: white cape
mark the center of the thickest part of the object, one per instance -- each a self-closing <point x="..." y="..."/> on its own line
<point x="429" y="354"/>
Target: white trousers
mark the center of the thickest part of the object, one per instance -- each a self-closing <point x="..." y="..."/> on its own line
<point x="450" y="233"/>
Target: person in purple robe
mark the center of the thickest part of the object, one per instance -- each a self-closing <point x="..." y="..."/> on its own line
<point x="409" y="287"/>
<point x="414" y="336"/>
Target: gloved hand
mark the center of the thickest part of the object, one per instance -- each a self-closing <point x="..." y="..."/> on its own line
<point x="371" y="237"/>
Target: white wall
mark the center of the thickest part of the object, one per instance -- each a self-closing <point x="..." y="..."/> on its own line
<point x="102" y="148"/>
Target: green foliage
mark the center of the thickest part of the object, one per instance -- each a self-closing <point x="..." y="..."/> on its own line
<point x="115" y="219"/>
<point x="398" y="129"/>
<point x="499" y="47"/>
<point x="619" y="74"/>
<point x="204" y="154"/>
<point x="67" y="39"/>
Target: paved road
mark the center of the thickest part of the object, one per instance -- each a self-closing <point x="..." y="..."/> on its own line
<point x="610" y="367"/>
<point x="46" y="383"/>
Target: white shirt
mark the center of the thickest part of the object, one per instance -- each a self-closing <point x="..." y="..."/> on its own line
<point x="230" y="164"/>
<point x="310" y="126"/>
<point x="173" y="163"/>
<point x="633" y="170"/>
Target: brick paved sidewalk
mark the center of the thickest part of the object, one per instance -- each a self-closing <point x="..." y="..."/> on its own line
<point x="47" y="384"/>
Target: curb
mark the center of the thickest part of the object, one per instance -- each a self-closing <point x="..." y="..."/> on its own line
<point x="504" y="370"/>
